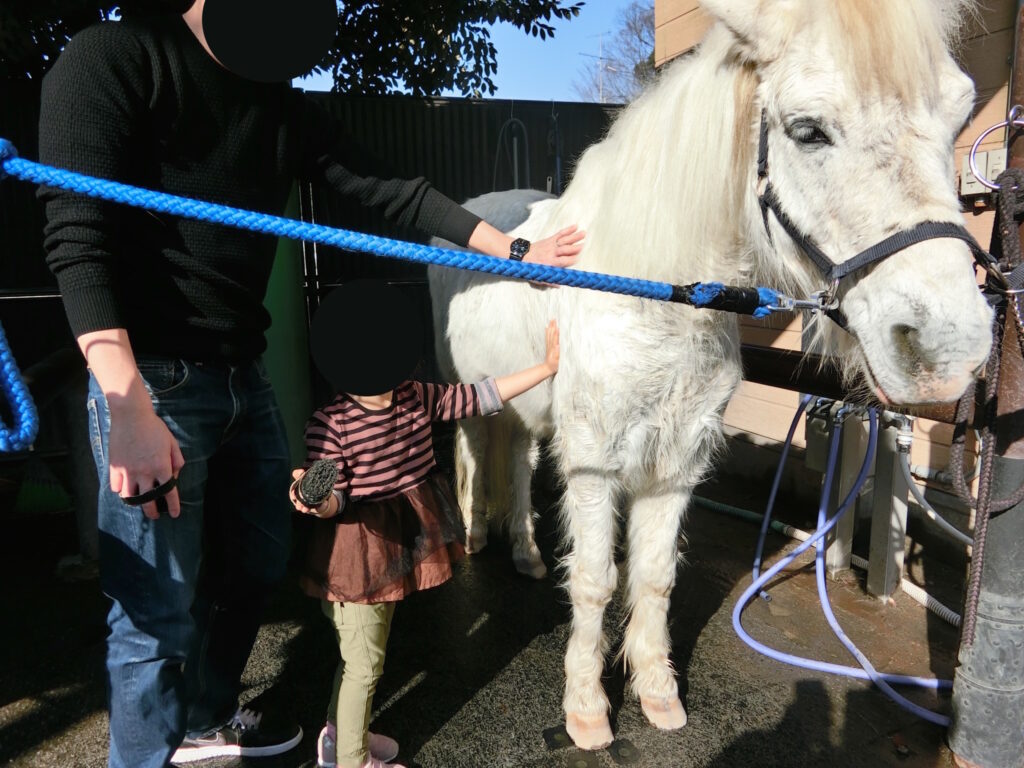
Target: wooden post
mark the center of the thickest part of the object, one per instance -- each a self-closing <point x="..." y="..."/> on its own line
<point x="1010" y="426"/>
<point x="987" y="727"/>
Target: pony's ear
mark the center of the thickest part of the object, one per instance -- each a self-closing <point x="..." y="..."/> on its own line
<point x="760" y="26"/>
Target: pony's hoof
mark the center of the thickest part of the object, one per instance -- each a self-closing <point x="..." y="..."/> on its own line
<point x="667" y="714"/>
<point x="589" y="731"/>
<point x="530" y="565"/>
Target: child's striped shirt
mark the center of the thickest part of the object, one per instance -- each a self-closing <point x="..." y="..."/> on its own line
<point x="380" y="453"/>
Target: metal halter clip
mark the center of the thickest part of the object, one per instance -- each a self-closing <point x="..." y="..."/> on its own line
<point x="828" y="298"/>
<point x="789" y="304"/>
<point x="820" y="301"/>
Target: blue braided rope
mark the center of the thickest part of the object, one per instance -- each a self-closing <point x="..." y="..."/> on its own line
<point x="26" y="170"/>
<point x="23" y="410"/>
<point x="162" y="202"/>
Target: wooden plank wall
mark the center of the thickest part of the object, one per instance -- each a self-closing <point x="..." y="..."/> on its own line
<point x="761" y="415"/>
<point x="678" y="26"/>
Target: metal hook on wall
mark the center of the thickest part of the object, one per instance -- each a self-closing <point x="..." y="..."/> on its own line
<point x="1015" y="118"/>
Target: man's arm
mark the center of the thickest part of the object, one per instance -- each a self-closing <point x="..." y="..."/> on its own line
<point x="354" y="172"/>
<point x="92" y="100"/>
<point x="143" y="453"/>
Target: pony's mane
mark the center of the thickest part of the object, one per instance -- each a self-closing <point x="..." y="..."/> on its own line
<point x="651" y="194"/>
<point x="887" y="45"/>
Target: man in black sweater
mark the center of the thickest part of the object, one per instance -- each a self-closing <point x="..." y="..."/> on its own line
<point x="169" y="315"/>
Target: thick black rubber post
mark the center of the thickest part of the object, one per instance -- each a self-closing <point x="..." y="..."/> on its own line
<point x="317" y="483"/>
<point x="988" y="688"/>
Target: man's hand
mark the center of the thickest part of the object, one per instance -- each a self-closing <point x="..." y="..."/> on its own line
<point x="562" y="249"/>
<point x="143" y="453"/>
<point x="143" y="456"/>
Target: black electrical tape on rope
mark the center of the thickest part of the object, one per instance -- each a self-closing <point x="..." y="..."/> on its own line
<point x="729" y="298"/>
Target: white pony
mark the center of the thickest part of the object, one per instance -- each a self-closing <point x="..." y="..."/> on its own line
<point x="861" y="102"/>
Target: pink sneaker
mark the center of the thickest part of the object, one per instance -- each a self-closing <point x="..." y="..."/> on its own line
<point x="382" y="749"/>
<point x="375" y="763"/>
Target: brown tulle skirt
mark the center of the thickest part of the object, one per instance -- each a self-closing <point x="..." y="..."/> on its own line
<point x="379" y="551"/>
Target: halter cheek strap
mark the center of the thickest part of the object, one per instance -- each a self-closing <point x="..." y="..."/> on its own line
<point x="832" y="271"/>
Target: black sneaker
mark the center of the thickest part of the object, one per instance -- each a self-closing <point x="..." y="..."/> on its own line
<point x="242" y="736"/>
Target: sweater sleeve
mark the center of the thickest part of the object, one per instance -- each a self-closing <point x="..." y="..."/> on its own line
<point x="92" y="98"/>
<point x="349" y="169"/>
<point x="447" y="402"/>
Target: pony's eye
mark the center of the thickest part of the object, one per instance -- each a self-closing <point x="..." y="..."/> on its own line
<point x="809" y="133"/>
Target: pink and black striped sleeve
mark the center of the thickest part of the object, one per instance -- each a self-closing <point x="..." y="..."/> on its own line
<point x="323" y="441"/>
<point x="446" y="402"/>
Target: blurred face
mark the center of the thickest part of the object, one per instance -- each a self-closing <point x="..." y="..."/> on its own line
<point x="366" y="338"/>
<point x="265" y="40"/>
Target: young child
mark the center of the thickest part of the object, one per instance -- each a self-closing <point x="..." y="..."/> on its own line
<point x="391" y="526"/>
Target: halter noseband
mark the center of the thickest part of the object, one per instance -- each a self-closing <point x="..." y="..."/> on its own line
<point x="833" y="272"/>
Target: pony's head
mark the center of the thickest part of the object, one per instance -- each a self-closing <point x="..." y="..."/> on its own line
<point x="861" y="103"/>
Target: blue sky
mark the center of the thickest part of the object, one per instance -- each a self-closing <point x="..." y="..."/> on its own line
<point x="531" y="68"/>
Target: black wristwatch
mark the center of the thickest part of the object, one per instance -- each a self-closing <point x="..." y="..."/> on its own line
<point x="519" y="248"/>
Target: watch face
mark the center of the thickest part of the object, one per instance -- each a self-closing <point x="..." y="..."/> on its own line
<point x="519" y="248"/>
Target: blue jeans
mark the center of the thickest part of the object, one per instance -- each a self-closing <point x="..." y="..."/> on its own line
<point x="189" y="592"/>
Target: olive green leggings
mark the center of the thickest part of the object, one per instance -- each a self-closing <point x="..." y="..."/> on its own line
<point x="362" y="633"/>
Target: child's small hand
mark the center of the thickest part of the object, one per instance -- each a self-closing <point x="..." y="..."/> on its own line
<point x="325" y="510"/>
<point x="552" y="357"/>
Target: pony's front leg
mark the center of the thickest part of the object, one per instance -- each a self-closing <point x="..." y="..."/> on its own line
<point x="592" y="575"/>
<point x="652" y="533"/>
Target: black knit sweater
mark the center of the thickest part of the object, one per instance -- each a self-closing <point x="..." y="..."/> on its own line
<point x="143" y="103"/>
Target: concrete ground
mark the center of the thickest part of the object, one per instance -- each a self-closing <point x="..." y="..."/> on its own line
<point x="474" y="671"/>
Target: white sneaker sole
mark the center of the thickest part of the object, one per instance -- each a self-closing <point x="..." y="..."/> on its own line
<point x="194" y="754"/>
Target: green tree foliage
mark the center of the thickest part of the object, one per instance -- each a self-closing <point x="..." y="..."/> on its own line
<point x="382" y="46"/>
<point x="33" y="32"/>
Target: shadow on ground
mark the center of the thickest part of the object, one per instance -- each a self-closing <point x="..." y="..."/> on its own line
<point x="474" y="670"/>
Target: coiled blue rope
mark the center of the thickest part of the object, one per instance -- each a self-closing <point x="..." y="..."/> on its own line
<point x="23" y="410"/>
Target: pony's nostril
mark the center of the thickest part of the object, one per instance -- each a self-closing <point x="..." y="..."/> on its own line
<point x="906" y="339"/>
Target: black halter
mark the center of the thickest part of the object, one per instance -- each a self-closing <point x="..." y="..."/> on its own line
<point x="833" y="273"/>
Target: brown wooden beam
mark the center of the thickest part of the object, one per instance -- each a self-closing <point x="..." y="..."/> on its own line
<point x="811" y="374"/>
